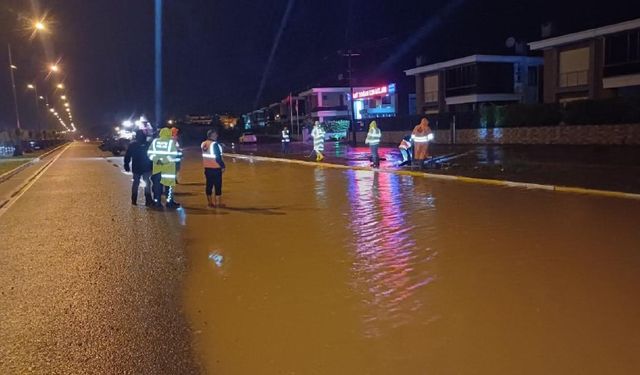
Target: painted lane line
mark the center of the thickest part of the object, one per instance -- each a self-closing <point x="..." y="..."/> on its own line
<point x="5" y="176"/>
<point x="471" y="180"/>
<point x="24" y="188"/>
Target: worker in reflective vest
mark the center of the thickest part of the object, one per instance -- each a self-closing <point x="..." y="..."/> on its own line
<point x="286" y="139"/>
<point x="406" y="149"/>
<point x="164" y="155"/>
<point x="318" y="140"/>
<point x="213" y="168"/>
<point x="373" y="140"/>
<point x="421" y="136"/>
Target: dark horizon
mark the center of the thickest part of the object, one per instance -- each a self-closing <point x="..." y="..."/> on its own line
<point x="215" y="54"/>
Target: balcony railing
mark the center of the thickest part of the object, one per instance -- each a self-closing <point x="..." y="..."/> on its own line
<point x="573" y="79"/>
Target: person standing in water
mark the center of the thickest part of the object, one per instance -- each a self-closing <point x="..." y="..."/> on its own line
<point x="373" y="140"/>
<point x="421" y="136"/>
<point x="213" y="168"/>
<point x="318" y="140"/>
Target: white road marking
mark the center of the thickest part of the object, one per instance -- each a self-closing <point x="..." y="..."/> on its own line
<point x="24" y="188"/>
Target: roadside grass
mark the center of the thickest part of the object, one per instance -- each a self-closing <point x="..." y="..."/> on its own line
<point x="8" y="164"/>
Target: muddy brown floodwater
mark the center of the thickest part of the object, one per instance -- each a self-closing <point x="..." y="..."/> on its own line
<point x="326" y="271"/>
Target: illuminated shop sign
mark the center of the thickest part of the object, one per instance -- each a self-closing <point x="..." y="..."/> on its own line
<point x="378" y="91"/>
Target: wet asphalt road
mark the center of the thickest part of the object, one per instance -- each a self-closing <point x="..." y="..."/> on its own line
<point x="88" y="284"/>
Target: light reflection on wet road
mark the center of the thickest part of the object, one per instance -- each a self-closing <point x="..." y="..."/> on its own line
<point x="354" y="272"/>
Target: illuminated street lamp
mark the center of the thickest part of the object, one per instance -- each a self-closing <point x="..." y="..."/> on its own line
<point x="54" y="68"/>
<point x="60" y="86"/>
<point x="66" y="105"/>
<point x="63" y="97"/>
<point x="39" y="26"/>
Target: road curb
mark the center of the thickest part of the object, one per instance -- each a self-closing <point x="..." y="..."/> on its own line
<point x="7" y="175"/>
<point x="470" y="180"/>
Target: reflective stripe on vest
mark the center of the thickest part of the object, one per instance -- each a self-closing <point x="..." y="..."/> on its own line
<point x="209" y="158"/>
<point x="420" y="138"/>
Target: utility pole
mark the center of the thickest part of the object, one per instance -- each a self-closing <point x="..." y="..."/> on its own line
<point x="349" y="54"/>
<point x="13" y="86"/>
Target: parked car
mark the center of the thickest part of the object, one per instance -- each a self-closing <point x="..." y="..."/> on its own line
<point x="248" y="138"/>
<point x="115" y="146"/>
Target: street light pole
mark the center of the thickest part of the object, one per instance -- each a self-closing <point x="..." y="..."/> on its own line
<point x="37" y="102"/>
<point x="13" y="86"/>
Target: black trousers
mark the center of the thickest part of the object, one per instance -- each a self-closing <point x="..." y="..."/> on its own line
<point x="214" y="179"/>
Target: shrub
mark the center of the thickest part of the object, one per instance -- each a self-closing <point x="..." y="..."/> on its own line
<point x="605" y="111"/>
<point x="518" y="115"/>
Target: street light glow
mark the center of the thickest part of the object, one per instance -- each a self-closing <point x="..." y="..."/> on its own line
<point x="39" y="25"/>
<point x="60" y="86"/>
<point x="31" y="87"/>
<point x="54" y="68"/>
<point x="63" y="97"/>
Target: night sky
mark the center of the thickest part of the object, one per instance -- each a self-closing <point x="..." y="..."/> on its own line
<point x="216" y="51"/>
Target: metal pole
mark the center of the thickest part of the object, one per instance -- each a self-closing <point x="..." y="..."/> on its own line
<point x="35" y="90"/>
<point x="158" y="62"/>
<point x="291" y="110"/>
<point x="13" y="86"/>
<point x="351" y="103"/>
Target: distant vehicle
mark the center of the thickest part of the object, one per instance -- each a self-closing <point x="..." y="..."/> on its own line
<point x="87" y="140"/>
<point x="248" y="138"/>
<point x="34" y="145"/>
<point x="115" y="146"/>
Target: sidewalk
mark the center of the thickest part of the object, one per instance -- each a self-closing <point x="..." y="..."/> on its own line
<point x="614" y="168"/>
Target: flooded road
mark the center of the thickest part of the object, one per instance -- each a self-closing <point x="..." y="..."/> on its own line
<point x="326" y="271"/>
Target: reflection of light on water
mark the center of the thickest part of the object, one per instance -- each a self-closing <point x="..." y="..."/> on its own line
<point x="182" y="216"/>
<point x="320" y="187"/>
<point x="387" y="261"/>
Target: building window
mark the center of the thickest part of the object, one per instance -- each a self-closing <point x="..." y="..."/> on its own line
<point x="461" y="80"/>
<point x="431" y="89"/>
<point x="532" y="75"/>
<point x="622" y="48"/>
<point x="574" y="67"/>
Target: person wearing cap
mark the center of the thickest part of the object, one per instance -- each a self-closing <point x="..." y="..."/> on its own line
<point x="318" y="134"/>
<point x="214" y="167"/>
<point x="373" y="140"/>
<point x="164" y="154"/>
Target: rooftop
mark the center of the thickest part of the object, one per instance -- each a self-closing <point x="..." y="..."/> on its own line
<point x="472" y="59"/>
<point x="585" y="35"/>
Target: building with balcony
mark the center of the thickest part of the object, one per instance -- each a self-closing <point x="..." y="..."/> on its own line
<point x="327" y="103"/>
<point x="461" y="85"/>
<point x="592" y="64"/>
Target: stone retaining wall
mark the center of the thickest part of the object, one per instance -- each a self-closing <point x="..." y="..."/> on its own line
<point x="566" y="134"/>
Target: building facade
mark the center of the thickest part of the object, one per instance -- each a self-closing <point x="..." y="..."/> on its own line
<point x="592" y="64"/>
<point x="461" y="85"/>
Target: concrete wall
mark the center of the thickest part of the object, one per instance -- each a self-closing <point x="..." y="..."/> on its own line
<point x="547" y="135"/>
<point x="570" y="135"/>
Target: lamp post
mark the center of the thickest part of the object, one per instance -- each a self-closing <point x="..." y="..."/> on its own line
<point x="36" y="97"/>
<point x="13" y="85"/>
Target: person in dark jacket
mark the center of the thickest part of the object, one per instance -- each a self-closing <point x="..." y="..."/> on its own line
<point x="141" y="167"/>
